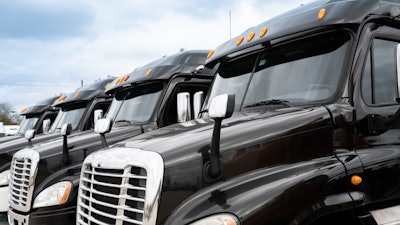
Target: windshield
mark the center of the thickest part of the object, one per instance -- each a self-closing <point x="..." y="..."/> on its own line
<point x="136" y="105"/>
<point x="306" y="71"/>
<point x="27" y="124"/>
<point x="71" y="116"/>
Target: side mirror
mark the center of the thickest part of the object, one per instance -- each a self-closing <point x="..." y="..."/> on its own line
<point x="222" y="106"/>
<point x="66" y="129"/>
<point x="46" y="126"/>
<point x="198" y="99"/>
<point x="183" y="107"/>
<point x="29" y="135"/>
<point x="199" y="69"/>
<point x="97" y="114"/>
<point x="103" y="126"/>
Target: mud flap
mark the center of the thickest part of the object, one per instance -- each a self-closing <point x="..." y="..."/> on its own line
<point x="387" y="216"/>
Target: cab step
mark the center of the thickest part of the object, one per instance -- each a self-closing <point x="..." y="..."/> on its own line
<point x="387" y="216"/>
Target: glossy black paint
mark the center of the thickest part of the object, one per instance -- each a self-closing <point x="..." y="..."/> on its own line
<point x="290" y="165"/>
<point x="90" y="98"/>
<point x="51" y="167"/>
<point x="163" y="69"/>
<point x="42" y="110"/>
<point x="303" y="18"/>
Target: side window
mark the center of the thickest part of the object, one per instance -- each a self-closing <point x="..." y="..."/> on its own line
<point x="170" y="113"/>
<point x="90" y="123"/>
<point x="379" y="77"/>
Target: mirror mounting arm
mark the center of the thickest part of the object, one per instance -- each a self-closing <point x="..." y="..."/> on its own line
<point x="221" y="107"/>
<point x="66" y="130"/>
<point x="215" y="169"/>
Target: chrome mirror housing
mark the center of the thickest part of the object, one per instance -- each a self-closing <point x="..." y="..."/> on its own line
<point x="29" y="134"/>
<point x="46" y="126"/>
<point x="198" y="99"/>
<point x="103" y="126"/>
<point x="97" y="114"/>
<point x="222" y="106"/>
<point x="183" y="107"/>
<point x="66" y="129"/>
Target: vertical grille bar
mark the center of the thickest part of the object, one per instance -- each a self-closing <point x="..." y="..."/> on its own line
<point x="116" y="192"/>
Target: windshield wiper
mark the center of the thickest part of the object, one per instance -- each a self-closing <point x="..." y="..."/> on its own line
<point x="125" y="122"/>
<point x="270" y="102"/>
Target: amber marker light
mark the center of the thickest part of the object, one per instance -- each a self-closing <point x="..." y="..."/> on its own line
<point x="263" y="32"/>
<point x="356" y="180"/>
<point x="239" y="40"/>
<point x="321" y="14"/>
<point x="32" y="108"/>
<point x="118" y="81"/>
<point x="61" y="98"/>
<point x="210" y="54"/>
<point x="125" y="78"/>
<point x="148" y="72"/>
<point x="23" y="110"/>
<point x="250" y="37"/>
<point x="229" y="222"/>
<point x="66" y="193"/>
<point x="107" y="86"/>
<point x="77" y="94"/>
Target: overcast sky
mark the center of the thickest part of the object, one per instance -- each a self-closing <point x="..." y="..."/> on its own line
<point x="49" y="46"/>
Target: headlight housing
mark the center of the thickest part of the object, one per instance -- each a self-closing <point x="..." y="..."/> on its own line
<point x="56" y="194"/>
<point x="4" y="177"/>
<point x="219" y="219"/>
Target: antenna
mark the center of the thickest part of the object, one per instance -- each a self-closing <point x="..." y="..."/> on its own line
<point x="230" y="24"/>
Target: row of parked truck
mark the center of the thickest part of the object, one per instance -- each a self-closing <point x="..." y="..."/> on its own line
<point x="295" y="121"/>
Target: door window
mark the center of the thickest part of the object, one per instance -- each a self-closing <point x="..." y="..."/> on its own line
<point x="379" y="79"/>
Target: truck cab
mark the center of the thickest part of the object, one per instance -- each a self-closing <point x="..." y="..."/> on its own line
<point x="76" y="108"/>
<point x="144" y="100"/>
<point x="34" y="117"/>
<point x="301" y="126"/>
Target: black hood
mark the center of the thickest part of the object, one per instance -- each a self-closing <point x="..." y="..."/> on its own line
<point x="184" y="139"/>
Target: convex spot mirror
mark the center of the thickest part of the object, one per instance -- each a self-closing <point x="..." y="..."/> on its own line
<point x="398" y="69"/>
<point x="198" y="99"/>
<point x="46" y="126"/>
<point x="222" y="106"/>
<point x="29" y="134"/>
<point x="103" y="126"/>
<point x="66" y="129"/>
<point x="98" y="114"/>
<point x="183" y="107"/>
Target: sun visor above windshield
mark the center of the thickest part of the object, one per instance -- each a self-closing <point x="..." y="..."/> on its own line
<point x="164" y="68"/>
<point x="305" y="17"/>
<point x="40" y="107"/>
<point x="84" y="94"/>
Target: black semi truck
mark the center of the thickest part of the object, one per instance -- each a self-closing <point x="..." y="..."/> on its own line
<point x="35" y="116"/>
<point x="76" y="108"/>
<point x="146" y="99"/>
<point x="301" y="126"/>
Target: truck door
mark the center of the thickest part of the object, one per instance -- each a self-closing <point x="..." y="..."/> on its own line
<point x="377" y="138"/>
<point x="168" y="114"/>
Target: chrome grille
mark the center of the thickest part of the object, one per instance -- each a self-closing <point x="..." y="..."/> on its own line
<point x="116" y="192"/>
<point x="22" y="179"/>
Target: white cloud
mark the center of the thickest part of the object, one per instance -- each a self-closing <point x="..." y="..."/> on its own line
<point x="120" y="36"/>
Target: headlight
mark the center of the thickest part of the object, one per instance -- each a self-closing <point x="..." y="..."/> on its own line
<point x="220" y="219"/>
<point x="4" y="177"/>
<point x="56" y="194"/>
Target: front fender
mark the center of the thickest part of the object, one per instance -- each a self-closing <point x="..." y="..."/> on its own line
<point x="71" y="173"/>
<point x="285" y="194"/>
